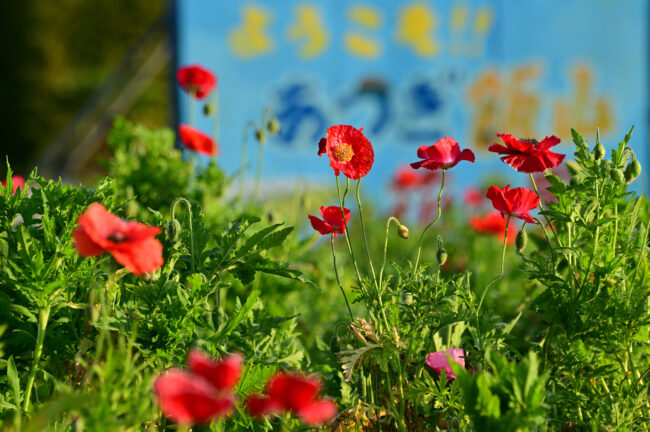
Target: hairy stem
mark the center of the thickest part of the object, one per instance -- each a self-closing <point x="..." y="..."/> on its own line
<point x="43" y="317"/>
<point x="336" y="273"/>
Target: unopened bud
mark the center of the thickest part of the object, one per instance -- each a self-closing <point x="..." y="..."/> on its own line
<point x="403" y="231"/>
<point x="273" y="126"/>
<point x="173" y="231"/>
<point x="573" y="167"/>
<point x="617" y="175"/>
<point x="521" y="241"/>
<point x="599" y="151"/>
<point x="260" y="135"/>
<point x="407" y="297"/>
<point x="632" y="171"/>
<point x="208" y="109"/>
<point x="441" y="254"/>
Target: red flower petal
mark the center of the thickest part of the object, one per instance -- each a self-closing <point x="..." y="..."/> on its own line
<point x="196" y="80"/>
<point x="132" y="244"/>
<point x="348" y="150"/>
<point x="445" y="153"/>
<point x="318" y="412"/>
<point x="190" y="399"/>
<point x="527" y="157"/>
<point x="332" y="222"/>
<point x="515" y="202"/>
<point x="196" y="140"/>
<point x="494" y="223"/>
<point x="223" y="375"/>
<point x="17" y="182"/>
<point x="293" y="392"/>
<point x="85" y="245"/>
<point x="260" y="406"/>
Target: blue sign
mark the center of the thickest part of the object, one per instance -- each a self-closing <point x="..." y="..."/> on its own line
<point x="411" y="72"/>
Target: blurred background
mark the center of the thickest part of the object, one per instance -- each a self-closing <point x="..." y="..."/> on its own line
<point x="409" y="72"/>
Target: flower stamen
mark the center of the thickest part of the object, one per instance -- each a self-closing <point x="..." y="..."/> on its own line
<point x="343" y="152"/>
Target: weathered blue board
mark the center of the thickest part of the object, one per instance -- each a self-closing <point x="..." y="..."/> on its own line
<point x="410" y="72"/>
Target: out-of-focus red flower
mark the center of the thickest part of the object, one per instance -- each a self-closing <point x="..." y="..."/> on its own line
<point x="332" y="222"/>
<point x="194" y="139"/>
<point x="202" y="393"/>
<point x="348" y="150"/>
<point x="296" y="394"/>
<point x="494" y="223"/>
<point x="439" y="360"/>
<point x="405" y="178"/>
<point x="445" y="153"/>
<point x="542" y="184"/>
<point x="528" y="155"/>
<point x="132" y="244"/>
<point x="515" y="202"/>
<point x="18" y="182"/>
<point x="473" y="197"/>
<point x="196" y="80"/>
<point x="399" y="210"/>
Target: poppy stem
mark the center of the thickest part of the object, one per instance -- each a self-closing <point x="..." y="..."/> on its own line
<point x="442" y="186"/>
<point x="365" y="238"/>
<point x="503" y="261"/>
<point x="336" y="273"/>
<point x="347" y="238"/>
<point x="383" y="264"/>
<point x="189" y="216"/>
<point x="43" y="316"/>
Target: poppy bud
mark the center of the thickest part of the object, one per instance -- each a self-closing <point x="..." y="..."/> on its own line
<point x="407" y="297"/>
<point x="632" y="171"/>
<point x="573" y="167"/>
<point x="273" y="126"/>
<point x="403" y="231"/>
<point x="441" y="254"/>
<point x="173" y="231"/>
<point x="599" y="151"/>
<point x="522" y="240"/>
<point x="208" y="109"/>
<point x="617" y="175"/>
<point x="260" y="135"/>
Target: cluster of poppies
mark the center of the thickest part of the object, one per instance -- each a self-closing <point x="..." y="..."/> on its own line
<point x="206" y="391"/>
<point x="198" y="82"/>
<point x="350" y="152"/>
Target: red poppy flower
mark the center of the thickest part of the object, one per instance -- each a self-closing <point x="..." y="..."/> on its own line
<point x="196" y="80"/>
<point x="332" y="222"/>
<point x="528" y="155"/>
<point x="293" y="393"/>
<point x="132" y="244"/>
<point x="494" y="223"/>
<point x="18" y="182"/>
<point x="445" y="153"/>
<point x="203" y="393"/>
<point x="194" y="139"/>
<point x="349" y="151"/>
<point x="473" y="197"/>
<point x="515" y="202"/>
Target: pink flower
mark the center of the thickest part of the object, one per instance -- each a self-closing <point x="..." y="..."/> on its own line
<point x="440" y="360"/>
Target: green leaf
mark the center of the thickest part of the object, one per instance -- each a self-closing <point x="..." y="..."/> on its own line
<point x="14" y="380"/>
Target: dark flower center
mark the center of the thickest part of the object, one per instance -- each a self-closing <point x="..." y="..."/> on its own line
<point x="532" y="141"/>
<point x="343" y="152"/>
<point x="116" y="237"/>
